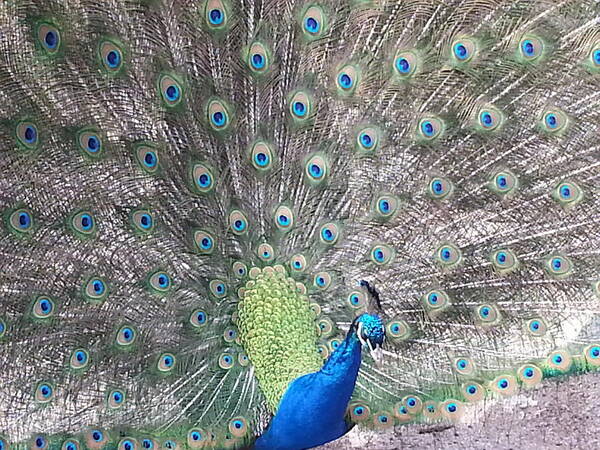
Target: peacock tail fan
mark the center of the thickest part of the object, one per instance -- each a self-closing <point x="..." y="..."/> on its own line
<point x="198" y="199"/>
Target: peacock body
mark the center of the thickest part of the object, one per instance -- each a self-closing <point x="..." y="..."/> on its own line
<point x="209" y="208"/>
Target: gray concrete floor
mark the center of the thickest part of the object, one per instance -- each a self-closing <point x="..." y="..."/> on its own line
<point x="559" y="414"/>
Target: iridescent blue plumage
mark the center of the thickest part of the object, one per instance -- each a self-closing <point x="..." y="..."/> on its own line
<point x="318" y="401"/>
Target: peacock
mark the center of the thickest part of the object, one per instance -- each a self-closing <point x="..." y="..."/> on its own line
<point x="260" y="223"/>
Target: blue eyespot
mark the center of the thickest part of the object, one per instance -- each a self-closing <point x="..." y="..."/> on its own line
<point x="534" y="325"/>
<point x="379" y="255"/>
<point x="565" y="192"/>
<point x="472" y="389"/>
<point x="451" y="407"/>
<point x="427" y="128"/>
<point x="402" y="65"/>
<point x="146" y="221"/>
<point x="345" y="81"/>
<point x="81" y="356"/>
<point x="24" y="220"/>
<point x="30" y="134"/>
<point x="150" y="159"/>
<point x="218" y="118"/>
<point x="460" y="51"/>
<point x="70" y="446"/>
<point x="261" y="159"/>
<point x="311" y="25"/>
<point x="216" y="16"/>
<point x="445" y="253"/>
<point x="239" y="225"/>
<point x="327" y="234"/>
<point x="163" y="281"/>
<point x="43" y="307"/>
<point x="502" y="383"/>
<point x="528" y="372"/>
<point x="40" y="442"/>
<point x="127" y="334"/>
<point x="299" y="109"/>
<point x="204" y="180"/>
<point x="45" y="390"/>
<point x="411" y="402"/>
<point x="206" y="243"/>
<point x="172" y="93"/>
<point x="551" y="120"/>
<point x="557" y="263"/>
<point x="528" y="48"/>
<point x="97" y="436"/>
<point x="93" y="144"/>
<point x="366" y="140"/>
<point x="595" y="352"/>
<point x="117" y="397"/>
<point x="87" y="222"/>
<point x="596" y="57"/>
<point x="315" y="171"/>
<point x="51" y="39"/>
<point x="258" y="61"/>
<point x="113" y="59"/>
<point x="384" y="206"/>
<point x="128" y="445"/>
<point x="462" y="364"/>
<point x="283" y="220"/>
<point x="486" y="119"/>
<point x="147" y="443"/>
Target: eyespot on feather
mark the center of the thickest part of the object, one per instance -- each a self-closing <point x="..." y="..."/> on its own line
<point x="261" y="157"/>
<point x="170" y="89"/>
<point x="505" y="385"/>
<point x="49" y="37"/>
<point x="265" y="252"/>
<point x="322" y="280"/>
<point x="111" y="56"/>
<point x="238" y="222"/>
<point x="503" y="182"/>
<point x="440" y="188"/>
<point x="44" y="392"/>
<point x="216" y="13"/>
<point x="147" y="157"/>
<point x="300" y="106"/>
<point x="313" y="22"/>
<point x="27" y="135"/>
<point x="204" y="242"/>
<point x="90" y="143"/>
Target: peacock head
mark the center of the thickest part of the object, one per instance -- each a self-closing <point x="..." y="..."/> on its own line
<point x="370" y="330"/>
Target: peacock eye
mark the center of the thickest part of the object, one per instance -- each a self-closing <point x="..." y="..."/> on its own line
<point x="216" y="15"/>
<point x="49" y="37"/>
<point x="238" y="222"/>
<point x="171" y="90"/>
<point x="300" y="106"/>
<point x="261" y="157"/>
<point x="406" y="64"/>
<point x="313" y="22"/>
<point x="258" y="58"/>
<point x="111" y="56"/>
<point x="367" y="140"/>
<point x="531" y="48"/>
<point x="429" y="129"/>
<point x="440" y="188"/>
<point x="218" y="115"/>
<point x="464" y="49"/>
<point x="27" y="135"/>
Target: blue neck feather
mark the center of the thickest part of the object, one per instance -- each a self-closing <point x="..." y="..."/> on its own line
<point x="312" y="411"/>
